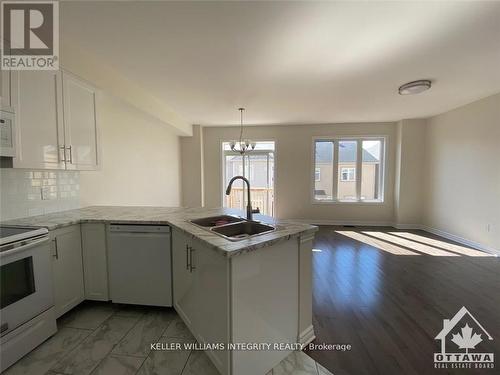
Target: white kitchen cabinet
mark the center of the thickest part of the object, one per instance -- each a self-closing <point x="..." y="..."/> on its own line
<point x="80" y="124"/>
<point x="252" y="297"/>
<point x="36" y="99"/>
<point x="67" y="268"/>
<point x="95" y="263"/>
<point x="5" y="87"/>
<point x="184" y="299"/>
<point x="55" y="117"/>
<point x="211" y="291"/>
<point x="201" y="293"/>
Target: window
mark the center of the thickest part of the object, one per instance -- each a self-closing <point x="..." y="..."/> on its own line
<point x="371" y="178"/>
<point x="258" y="167"/>
<point x="348" y="157"/>
<point x="349" y="170"/>
<point x="323" y="159"/>
<point x="347" y="174"/>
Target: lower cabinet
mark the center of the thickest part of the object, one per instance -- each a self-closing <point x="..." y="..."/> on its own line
<point x="95" y="263"/>
<point x="182" y="274"/>
<point x="252" y="297"/>
<point x="201" y="293"/>
<point x="67" y="268"/>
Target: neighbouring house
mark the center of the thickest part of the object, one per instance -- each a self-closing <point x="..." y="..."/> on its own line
<point x="346" y="174"/>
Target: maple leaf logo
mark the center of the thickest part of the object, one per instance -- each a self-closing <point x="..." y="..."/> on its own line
<point x="466" y="340"/>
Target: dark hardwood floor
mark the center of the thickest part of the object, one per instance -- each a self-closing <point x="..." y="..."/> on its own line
<point x="386" y="293"/>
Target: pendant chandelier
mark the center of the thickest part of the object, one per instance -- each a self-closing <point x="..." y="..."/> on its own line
<point x="242" y="146"/>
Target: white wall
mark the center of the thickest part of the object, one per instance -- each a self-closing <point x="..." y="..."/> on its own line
<point x="192" y="170"/>
<point x="294" y="170"/>
<point x="410" y="156"/>
<point x="140" y="159"/>
<point x="463" y="172"/>
<point x="105" y="77"/>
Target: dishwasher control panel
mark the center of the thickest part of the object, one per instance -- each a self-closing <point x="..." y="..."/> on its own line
<point x="139" y="228"/>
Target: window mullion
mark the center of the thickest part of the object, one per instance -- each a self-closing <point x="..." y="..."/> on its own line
<point x="335" y="172"/>
<point x="359" y="165"/>
<point x="381" y="179"/>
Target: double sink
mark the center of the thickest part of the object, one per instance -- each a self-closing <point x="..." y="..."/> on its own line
<point x="233" y="228"/>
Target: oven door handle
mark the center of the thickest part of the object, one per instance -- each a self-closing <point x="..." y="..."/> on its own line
<point x="23" y="247"/>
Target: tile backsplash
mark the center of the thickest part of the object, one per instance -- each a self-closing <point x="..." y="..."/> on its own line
<point x="31" y="192"/>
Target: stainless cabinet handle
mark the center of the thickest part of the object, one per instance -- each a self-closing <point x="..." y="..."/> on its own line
<point x="63" y="149"/>
<point x="191" y="267"/>
<point x="56" y="255"/>
<point x="70" y="154"/>
<point x="187" y="257"/>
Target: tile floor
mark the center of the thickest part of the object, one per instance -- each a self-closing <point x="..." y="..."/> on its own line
<point x="108" y="339"/>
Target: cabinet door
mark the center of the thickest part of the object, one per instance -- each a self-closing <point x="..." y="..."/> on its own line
<point x="36" y="98"/>
<point x="68" y="268"/>
<point x="211" y="290"/>
<point x="80" y="124"/>
<point x="184" y="299"/>
<point x="95" y="263"/>
<point x="5" y="79"/>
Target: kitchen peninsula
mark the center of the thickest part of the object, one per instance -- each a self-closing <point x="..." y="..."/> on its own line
<point x="246" y="290"/>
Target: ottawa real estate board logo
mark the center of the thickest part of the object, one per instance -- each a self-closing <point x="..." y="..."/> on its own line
<point x="29" y="35"/>
<point x="459" y="338"/>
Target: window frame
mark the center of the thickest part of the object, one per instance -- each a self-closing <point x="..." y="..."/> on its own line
<point x="317" y="174"/>
<point x="349" y="169"/>
<point x="222" y="174"/>
<point x="358" y="169"/>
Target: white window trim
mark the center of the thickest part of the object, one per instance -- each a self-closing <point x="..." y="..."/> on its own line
<point x="317" y="171"/>
<point x="349" y="169"/>
<point x="360" y="139"/>
<point x="222" y="170"/>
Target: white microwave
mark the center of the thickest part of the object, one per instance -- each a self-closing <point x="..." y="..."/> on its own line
<point x="7" y="134"/>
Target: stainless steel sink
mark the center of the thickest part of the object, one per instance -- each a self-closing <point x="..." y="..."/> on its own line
<point x="215" y="221"/>
<point x="242" y="230"/>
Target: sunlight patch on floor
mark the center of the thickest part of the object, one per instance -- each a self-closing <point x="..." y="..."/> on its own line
<point x="426" y="249"/>
<point x="443" y="245"/>
<point x="382" y="245"/>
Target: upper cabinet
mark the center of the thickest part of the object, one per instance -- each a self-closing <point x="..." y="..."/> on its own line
<point x="5" y="95"/>
<point x="55" y="119"/>
<point x="36" y="98"/>
<point x="80" y="125"/>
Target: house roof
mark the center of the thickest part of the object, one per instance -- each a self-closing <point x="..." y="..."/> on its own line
<point x="450" y="324"/>
<point x="347" y="153"/>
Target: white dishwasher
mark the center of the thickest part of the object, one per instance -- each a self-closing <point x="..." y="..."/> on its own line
<point x="139" y="262"/>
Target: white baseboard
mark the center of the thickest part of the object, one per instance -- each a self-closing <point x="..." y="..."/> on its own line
<point x="407" y="226"/>
<point x="307" y="335"/>
<point x="461" y="240"/>
<point x="344" y="222"/>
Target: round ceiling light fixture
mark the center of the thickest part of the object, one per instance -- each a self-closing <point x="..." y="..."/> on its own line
<point x="415" y="87"/>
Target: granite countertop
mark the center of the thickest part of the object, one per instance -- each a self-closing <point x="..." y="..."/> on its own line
<point x="177" y="217"/>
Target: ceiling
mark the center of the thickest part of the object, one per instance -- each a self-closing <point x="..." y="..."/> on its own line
<point x="295" y="62"/>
